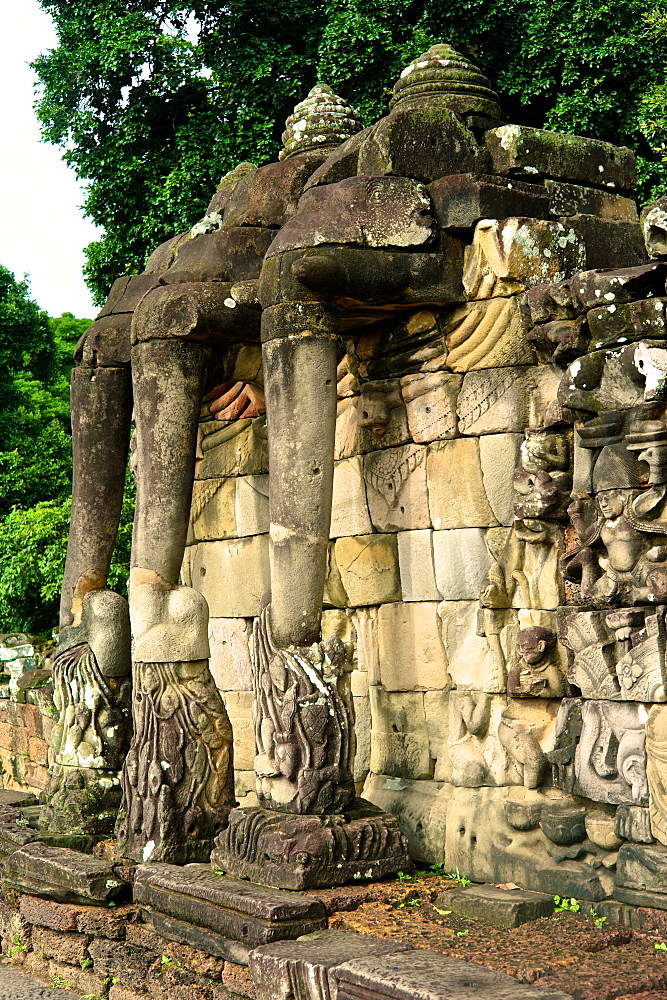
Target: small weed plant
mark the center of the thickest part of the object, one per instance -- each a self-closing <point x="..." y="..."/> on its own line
<point x="17" y="948"/>
<point x="564" y="905"/>
<point x="597" y="920"/>
<point x="60" y="983"/>
<point x="660" y="946"/>
<point x="459" y="878"/>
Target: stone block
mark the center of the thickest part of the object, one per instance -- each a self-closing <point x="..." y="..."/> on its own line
<point x="232" y="448"/>
<point x="252" y="505"/>
<point x="486" y="334"/>
<point x="349" y="511"/>
<point x="410" y="646"/>
<point x="430" y="402"/>
<point x="501" y="907"/>
<point x="633" y="823"/>
<point x="232" y="575"/>
<point x="61" y="874"/>
<point x="436" y="709"/>
<point x="574" y="199"/>
<point x="46" y="913"/>
<point x="64" y="946"/>
<point x="430" y="975"/>
<point x="303" y="968"/>
<point x="194" y="959"/>
<point x="38" y="750"/>
<point x="609" y="243"/>
<point x="241" y="911"/>
<point x="105" y="923"/>
<point x="17" y="798"/>
<point x="462" y="560"/>
<point x="230" y="665"/>
<point x="421" y="810"/>
<point x="144" y="936"/>
<point x="121" y="960"/>
<point x="83" y="981"/>
<point x="268" y="197"/>
<point x="627" y="321"/>
<point x="456" y="495"/>
<point x="396" y="488"/>
<point x="213" y="512"/>
<point x="506" y="399"/>
<point x="366" y="628"/>
<point x="641" y="875"/>
<point x="362" y="732"/>
<point x="368" y="568"/>
<point x="461" y="200"/>
<point x="415" y="561"/>
<point x="656" y="743"/>
<point x="399" y="737"/>
<point x="239" y="710"/>
<point x="118" y="992"/>
<point x="477" y="661"/>
<point x="184" y="932"/>
<point x="499" y="456"/>
<point x="516" y="149"/>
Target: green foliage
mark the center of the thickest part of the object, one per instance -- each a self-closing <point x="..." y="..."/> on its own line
<point x="18" y="947"/>
<point x="456" y="876"/>
<point x="151" y="118"/>
<point x="564" y="905"/>
<point x="598" y="921"/>
<point x="660" y="946"/>
<point x="60" y="983"/>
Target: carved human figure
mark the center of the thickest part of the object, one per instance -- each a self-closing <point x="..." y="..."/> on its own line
<point x="534" y="673"/>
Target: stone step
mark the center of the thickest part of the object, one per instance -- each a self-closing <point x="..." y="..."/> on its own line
<point x="61" y="874"/>
<point x="501" y="907"/>
<point x="428" y="975"/>
<point x="302" y="969"/>
<point x="241" y="911"/>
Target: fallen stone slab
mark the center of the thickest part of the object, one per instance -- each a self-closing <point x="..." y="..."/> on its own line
<point x="428" y="975"/>
<point x="500" y="907"/>
<point x="61" y="874"/>
<point x="302" y="969"/>
<point x="241" y="911"/>
<point x="11" y="797"/>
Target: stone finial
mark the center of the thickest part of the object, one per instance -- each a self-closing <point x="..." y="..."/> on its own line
<point x="322" y="121"/>
<point x="444" y="73"/>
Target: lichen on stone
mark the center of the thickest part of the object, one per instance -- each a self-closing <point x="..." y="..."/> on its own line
<point x="323" y="120"/>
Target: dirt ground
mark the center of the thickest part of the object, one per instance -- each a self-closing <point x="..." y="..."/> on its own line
<point x="569" y="951"/>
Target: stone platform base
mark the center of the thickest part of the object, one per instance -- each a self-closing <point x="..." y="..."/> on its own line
<point x="307" y="852"/>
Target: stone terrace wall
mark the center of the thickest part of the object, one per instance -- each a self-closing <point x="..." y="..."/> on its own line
<point x="25" y="746"/>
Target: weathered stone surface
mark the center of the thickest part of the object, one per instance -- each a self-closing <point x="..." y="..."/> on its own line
<point x="616" y="324"/>
<point x="502" y="907"/>
<point x="429" y="975"/>
<point x="439" y="144"/>
<point x="518" y="150"/>
<point x="654" y="227"/>
<point x="415" y="560"/>
<point x="120" y="960"/>
<point x="229" y="508"/>
<point x="307" y="851"/>
<point x="369" y="211"/>
<point x="232" y="448"/>
<point x="609" y="243"/>
<point x="456" y="495"/>
<point x="61" y="874"/>
<point x="436" y="708"/>
<point x="368" y="568"/>
<point x="633" y="823"/>
<point x="486" y="334"/>
<point x="239" y="710"/>
<point x="232" y="574"/>
<point x="399" y="736"/>
<point x="236" y="909"/>
<point x="269" y="196"/>
<point x="196" y="936"/>
<point x="430" y="402"/>
<point x="408" y="634"/>
<point x="573" y="199"/>
<point x="641" y="876"/>
<point x="303" y="968"/>
<point x="476" y="661"/>
<point x="88" y="920"/>
<point x="460" y="200"/>
<point x="462" y="560"/>
<point x="349" y="510"/>
<point x="229" y="664"/>
<point x="499" y="456"/>
<point x="656" y="758"/>
<point x="9" y="797"/>
<point x="65" y="947"/>
<point x="443" y="78"/>
<point x="396" y="488"/>
<point x="421" y="810"/>
<point x="505" y="399"/>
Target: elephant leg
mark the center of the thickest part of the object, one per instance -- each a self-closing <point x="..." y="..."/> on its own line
<point x="101" y="415"/>
<point x="92" y="663"/>
<point x="177" y="778"/>
<point x="299" y="358"/>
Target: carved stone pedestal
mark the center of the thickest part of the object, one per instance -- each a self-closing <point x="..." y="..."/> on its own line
<point x="304" y="852"/>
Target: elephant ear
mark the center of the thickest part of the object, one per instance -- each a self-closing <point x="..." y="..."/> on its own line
<point x="645" y="503"/>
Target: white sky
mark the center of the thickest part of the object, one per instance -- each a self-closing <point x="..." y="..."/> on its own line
<point x="42" y="229"/>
